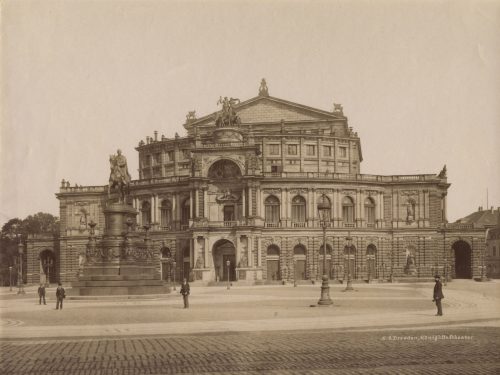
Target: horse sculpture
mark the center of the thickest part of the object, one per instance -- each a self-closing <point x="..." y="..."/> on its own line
<point x="119" y="177"/>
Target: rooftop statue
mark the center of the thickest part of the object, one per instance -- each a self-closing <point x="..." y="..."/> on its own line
<point x="442" y="174"/>
<point x="119" y="177"/>
<point x="227" y="117"/>
<point x="263" y="91"/>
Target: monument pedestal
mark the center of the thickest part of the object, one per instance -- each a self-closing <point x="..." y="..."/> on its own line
<point x="121" y="263"/>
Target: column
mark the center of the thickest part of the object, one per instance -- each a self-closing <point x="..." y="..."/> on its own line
<point x="259" y="252"/>
<point x="250" y="200"/>
<point x="205" y="203"/>
<point x="287" y="204"/>
<point x="282" y="206"/>
<point x="191" y="205"/>
<point x="259" y="202"/>
<point x="238" y="249"/>
<point x="152" y="200"/>
<point x="192" y="249"/>
<point x="243" y="203"/>
<point x="314" y="208"/>
<point x="197" y="203"/>
<point x="380" y="205"/>
<point x="208" y="244"/>
<point x="158" y="204"/>
<point x="445" y="206"/>
<point x="250" y="251"/>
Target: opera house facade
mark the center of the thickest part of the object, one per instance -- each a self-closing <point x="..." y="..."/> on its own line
<point x="236" y="198"/>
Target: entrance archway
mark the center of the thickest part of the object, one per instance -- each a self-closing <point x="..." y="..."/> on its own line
<point x="224" y="251"/>
<point x="47" y="267"/>
<point x="463" y="260"/>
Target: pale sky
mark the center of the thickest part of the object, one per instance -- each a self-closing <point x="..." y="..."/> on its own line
<point x="418" y="80"/>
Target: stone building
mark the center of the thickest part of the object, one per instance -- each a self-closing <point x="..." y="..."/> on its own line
<point x="237" y="198"/>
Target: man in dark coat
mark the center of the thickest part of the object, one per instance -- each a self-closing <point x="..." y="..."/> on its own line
<point x="185" y="293"/>
<point x="41" y="294"/>
<point x="438" y="295"/>
<point x="60" y="295"/>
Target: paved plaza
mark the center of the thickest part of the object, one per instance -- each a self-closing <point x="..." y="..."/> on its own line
<point x="379" y="328"/>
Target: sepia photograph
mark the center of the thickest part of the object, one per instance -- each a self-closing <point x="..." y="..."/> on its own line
<point x="249" y="187"/>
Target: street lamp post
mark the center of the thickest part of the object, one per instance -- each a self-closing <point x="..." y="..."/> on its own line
<point x="228" y="263"/>
<point x="349" y="247"/>
<point x="324" y="214"/>
<point x="10" y="278"/>
<point x="174" y="264"/>
<point x="20" y="279"/>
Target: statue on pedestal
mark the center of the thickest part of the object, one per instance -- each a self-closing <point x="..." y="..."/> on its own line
<point x="119" y="177"/>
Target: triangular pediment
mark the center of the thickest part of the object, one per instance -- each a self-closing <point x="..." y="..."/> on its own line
<point x="263" y="109"/>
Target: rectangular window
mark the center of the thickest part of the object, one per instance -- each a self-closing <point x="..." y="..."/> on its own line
<point x="170" y="156"/>
<point x="274" y="149"/>
<point x="343" y="152"/>
<point x="147" y="161"/>
<point x="327" y="150"/>
<point x="292" y="149"/>
<point x="186" y="154"/>
<point x="157" y="158"/>
<point x="310" y="150"/>
<point x="229" y="213"/>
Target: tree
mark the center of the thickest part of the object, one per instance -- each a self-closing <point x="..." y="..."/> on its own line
<point x="16" y="230"/>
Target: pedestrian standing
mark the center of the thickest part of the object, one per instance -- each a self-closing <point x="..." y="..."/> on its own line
<point x="41" y="294"/>
<point x="185" y="293"/>
<point x="438" y="295"/>
<point x="60" y="295"/>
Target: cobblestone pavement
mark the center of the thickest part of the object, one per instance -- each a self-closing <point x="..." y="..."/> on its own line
<point x="451" y="351"/>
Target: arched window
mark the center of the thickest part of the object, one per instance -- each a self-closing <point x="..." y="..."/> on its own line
<point x="273" y="250"/>
<point x="166" y="214"/>
<point x="369" y="211"/>
<point x="348" y="211"/>
<point x="146" y="213"/>
<point x="272" y="210"/>
<point x="223" y="170"/>
<point x="185" y="212"/>
<point x="299" y="250"/>
<point x="298" y="209"/>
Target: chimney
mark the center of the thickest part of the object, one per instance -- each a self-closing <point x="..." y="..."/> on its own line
<point x="156" y="135"/>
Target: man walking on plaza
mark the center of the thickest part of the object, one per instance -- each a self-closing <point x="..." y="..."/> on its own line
<point x="185" y="293"/>
<point x="41" y="294"/>
<point x="438" y="295"/>
<point x="60" y="295"/>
